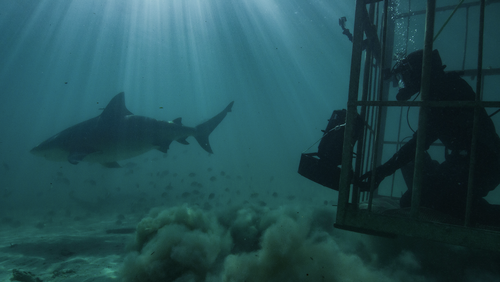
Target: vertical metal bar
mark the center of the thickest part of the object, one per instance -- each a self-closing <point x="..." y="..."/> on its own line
<point x="377" y="79"/>
<point x="345" y="174"/>
<point x="387" y="48"/>
<point x="422" y="119"/>
<point x="367" y="70"/>
<point x="466" y="36"/>
<point x="475" y="129"/>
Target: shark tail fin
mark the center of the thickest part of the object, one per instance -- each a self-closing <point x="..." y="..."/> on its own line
<point x="203" y="130"/>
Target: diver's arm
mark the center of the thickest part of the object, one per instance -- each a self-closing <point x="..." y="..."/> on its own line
<point x="402" y="157"/>
<point x="405" y="155"/>
<point x="407" y="152"/>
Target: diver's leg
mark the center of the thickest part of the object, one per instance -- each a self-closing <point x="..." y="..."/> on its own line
<point x="430" y="167"/>
<point x="447" y="192"/>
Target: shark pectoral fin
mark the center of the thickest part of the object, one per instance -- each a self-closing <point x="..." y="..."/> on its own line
<point x="164" y="147"/>
<point x="111" y="165"/>
<point x="183" y="141"/>
<point x="77" y="156"/>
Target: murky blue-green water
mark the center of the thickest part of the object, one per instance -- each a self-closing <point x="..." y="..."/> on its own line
<point x="241" y="214"/>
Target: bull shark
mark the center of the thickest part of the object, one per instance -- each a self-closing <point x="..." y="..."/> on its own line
<point x="117" y="134"/>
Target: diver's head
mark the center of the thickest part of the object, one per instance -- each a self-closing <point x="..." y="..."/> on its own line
<point x="408" y="71"/>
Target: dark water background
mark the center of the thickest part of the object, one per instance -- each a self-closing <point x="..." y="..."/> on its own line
<point x="285" y="65"/>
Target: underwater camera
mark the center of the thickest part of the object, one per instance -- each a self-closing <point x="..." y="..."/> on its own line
<point x="323" y="167"/>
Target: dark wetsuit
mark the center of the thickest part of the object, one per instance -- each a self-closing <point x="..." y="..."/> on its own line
<point x="445" y="185"/>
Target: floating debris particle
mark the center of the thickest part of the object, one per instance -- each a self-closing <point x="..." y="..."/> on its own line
<point x="213" y="178"/>
<point x="211" y="196"/>
<point x="169" y="186"/>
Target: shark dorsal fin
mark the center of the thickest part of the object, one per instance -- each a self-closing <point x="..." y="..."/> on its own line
<point x="116" y="108"/>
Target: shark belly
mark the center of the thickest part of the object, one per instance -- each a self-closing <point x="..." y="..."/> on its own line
<point x="134" y="136"/>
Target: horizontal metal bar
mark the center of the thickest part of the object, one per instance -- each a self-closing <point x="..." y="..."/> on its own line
<point x="473" y="72"/>
<point x="484" y="104"/>
<point x="439" y="144"/>
<point x="444" y="8"/>
<point x="423" y="227"/>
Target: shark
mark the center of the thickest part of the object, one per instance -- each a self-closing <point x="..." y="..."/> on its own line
<point x="117" y="134"/>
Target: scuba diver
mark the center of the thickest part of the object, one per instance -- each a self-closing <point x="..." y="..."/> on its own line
<point x="444" y="186"/>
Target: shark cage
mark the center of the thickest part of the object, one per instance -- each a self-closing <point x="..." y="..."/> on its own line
<point x="377" y="123"/>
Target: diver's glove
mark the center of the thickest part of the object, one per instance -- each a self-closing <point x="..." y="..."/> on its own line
<point x="365" y="180"/>
<point x="379" y="173"/>
<point x="401" y="158"/>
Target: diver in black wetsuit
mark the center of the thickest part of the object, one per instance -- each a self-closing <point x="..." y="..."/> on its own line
<point x="445" y="185"/>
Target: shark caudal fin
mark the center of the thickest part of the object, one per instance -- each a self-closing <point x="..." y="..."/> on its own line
<point x="203" y="130"/>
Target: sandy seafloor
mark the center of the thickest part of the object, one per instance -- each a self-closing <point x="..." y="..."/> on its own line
<point x="63" y="250"/>
<point x="165" y="221"/>
<point x="247" y="242"/>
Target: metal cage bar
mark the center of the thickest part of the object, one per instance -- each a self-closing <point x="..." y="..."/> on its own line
<point x="415" y="222"/>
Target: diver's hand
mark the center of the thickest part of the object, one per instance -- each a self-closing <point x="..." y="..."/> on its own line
<point x="365" y="180"/>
